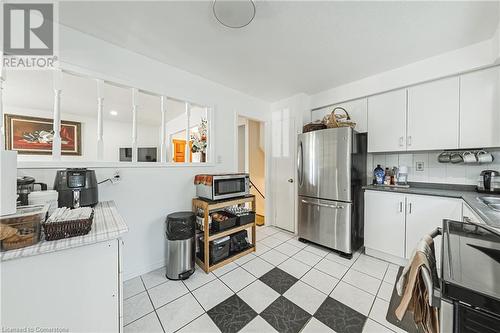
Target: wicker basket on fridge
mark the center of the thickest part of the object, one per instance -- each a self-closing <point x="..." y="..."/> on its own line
<point x="338" y="118"/>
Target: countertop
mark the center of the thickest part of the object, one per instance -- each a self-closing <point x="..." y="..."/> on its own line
<point x="464" y="192"/>
<point x="108" y="224"/>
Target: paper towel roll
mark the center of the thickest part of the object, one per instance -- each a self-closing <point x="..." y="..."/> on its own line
<point x="8" y="181"/>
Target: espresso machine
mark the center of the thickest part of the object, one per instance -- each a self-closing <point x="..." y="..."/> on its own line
<point x="77" y="187"/>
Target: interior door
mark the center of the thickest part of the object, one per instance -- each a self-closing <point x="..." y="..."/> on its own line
<point x="283" y="140"/>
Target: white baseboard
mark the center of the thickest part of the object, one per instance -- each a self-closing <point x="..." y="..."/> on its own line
<point x="386" y="256"/>
<point x="136" y="271"/>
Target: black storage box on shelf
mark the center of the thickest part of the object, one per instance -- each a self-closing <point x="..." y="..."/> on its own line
<point x="239" y="242"/>
<point x="218" y="226"/>
<point x="246" y="218"/>
<point x="218" y="249"/>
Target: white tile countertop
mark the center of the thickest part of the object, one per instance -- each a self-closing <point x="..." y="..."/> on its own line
<point x="108" y="224"/>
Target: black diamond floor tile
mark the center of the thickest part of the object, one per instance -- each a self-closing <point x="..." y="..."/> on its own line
<point x="340" y="317"/>
<point x="285" y="316"/>
<point x="279" y="280"/>
<point x="232" y="314"/>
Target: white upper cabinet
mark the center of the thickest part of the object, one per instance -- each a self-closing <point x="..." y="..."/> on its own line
<point x="433" y="115"/>
<point x="387" y="122"/>
<point x="357" y="109"/>
<point x="480" y="109"/>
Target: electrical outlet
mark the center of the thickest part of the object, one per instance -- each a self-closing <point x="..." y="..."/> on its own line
<point x="419" y="166"/>
<point x="116" y="177"/>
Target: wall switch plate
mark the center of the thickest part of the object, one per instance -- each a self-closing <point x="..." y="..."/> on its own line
<point x="419" y="166"/>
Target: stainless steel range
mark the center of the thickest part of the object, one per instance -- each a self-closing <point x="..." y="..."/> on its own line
<point x="331" y="173"/>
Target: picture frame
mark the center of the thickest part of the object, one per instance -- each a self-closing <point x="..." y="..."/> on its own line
<point x="33" y="135"/>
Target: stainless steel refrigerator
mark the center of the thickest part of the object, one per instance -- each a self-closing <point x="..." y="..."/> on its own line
<point x="331" y="172"/>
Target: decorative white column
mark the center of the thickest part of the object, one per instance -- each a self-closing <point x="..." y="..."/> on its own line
<point x="188" y="149"/>
<point x="2" y="128"/>
<point x="100" y="131"/>
<point x="134" y="124"/>
<point x="163" y="134"/>
<point x="56" y="143"/>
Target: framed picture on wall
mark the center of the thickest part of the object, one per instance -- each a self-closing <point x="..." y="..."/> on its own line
<point x="31" y="135"/>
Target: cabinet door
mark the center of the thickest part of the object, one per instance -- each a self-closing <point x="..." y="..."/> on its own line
<point x="433" y="112"/>
<point x="387" y="122"/>
<point x="424" y="214"/>
<point x="385" y="222"/>
<point x="480" y="109"/>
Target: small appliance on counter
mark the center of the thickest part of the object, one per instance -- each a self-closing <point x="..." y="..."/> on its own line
<point x="223" y="186"/>
<point x="26" y="185"/>
<point x="402" y="176"/>
<point x="8" y="175"/>
<point x="76" y="188"/>
<point x="489" y="182"/>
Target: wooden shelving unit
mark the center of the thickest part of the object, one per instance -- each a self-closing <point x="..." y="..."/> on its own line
<point x="207" y="206"/>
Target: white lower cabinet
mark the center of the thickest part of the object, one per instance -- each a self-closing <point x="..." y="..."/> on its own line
<point x="395" y="222"/>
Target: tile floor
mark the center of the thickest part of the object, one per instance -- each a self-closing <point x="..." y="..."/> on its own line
<point x="287" y="286"/>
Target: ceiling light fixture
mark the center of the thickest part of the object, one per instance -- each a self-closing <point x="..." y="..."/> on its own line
<point x="234" y="14"/>
<point x="113" y="113"/>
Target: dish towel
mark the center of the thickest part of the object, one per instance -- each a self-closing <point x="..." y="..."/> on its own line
<point x="412" y="288"/>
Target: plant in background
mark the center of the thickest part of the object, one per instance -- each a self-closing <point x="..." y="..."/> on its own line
<point x="199" y="139"/>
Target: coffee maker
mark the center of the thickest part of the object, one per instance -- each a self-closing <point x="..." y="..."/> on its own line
<point x="489" y="182"/>
<point x="26" y="185"/>
<point x="77" y="187"/>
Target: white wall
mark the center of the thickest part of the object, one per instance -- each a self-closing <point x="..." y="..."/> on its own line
<point x="146" y="195"/>
<point x="256" y="164"/>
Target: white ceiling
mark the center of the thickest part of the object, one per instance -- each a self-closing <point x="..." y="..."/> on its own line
<point x="290" y="47"/>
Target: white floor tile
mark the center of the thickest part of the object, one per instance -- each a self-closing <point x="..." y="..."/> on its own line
<point x="271" y="230"/>
<point x="135" y="307"/>
<point x="282" y="235"/>
<point x="374" y="327"/>
<point x="154" y="278"/>
<point x="274" y="257"/>
<point x="258" y="267"/>
<point x="179" y="313"/>
<point x="198" y="279"/>
<point x="362" y="281"/>
<point x="212" y="294"/>
<point x="225" y="269"/>
<point x="295" y="242"/>
<point x="246" y="258"/>
<point x="379" y="312"/>
<point x="317" y="250"/>
<point x="305" y="296"/>
<point x="294" y="267"/>
<point x="353" y="297"/>
<point x="307" y="257"/>
<point x="319" y="280"/>
<point x="341" y="260"/>
<point x="167" y="292"/>
<point x="132" y="287"/>
<point x="287" y="249"/>
<point x="315" y="326"/>
<point x="260" y="236"/>
<point x="261" y="249"/>
<point x="332" y="268"/>
<point x="271" y="242"/>
<point x="385" y="291"/>
<point x="147" y="324"/>
<point x="258" y="295"/>
<point x="201" y="324"/>
<point x="391" y="274"/>
<point x="371" y="266"/>
<point x="237" y="279"/>
<point x="258" y="325"/>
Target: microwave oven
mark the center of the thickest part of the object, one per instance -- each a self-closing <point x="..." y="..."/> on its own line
<point x="223" y="186"/>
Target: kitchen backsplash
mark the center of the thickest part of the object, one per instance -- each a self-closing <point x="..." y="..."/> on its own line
<point x="433" y="171"/>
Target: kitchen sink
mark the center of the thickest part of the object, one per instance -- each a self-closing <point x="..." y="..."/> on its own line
<point x="492" y="202"/>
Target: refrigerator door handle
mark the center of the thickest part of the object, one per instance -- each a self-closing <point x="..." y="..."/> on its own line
<point x="300" y="164"/>
<point x="322" y="205"/>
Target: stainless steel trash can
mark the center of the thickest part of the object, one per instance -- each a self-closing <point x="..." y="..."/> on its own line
<point x="180" y="245"/>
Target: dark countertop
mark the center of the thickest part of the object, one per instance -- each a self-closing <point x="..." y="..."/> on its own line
<point x="464" y="192"/>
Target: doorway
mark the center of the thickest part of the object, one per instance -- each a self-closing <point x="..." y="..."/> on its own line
<point x="252" y="160"/>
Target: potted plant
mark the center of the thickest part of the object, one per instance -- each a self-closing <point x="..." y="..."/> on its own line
<point x="199" y="141"/>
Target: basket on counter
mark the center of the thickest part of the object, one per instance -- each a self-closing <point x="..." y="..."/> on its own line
<point x="67" y="229"/>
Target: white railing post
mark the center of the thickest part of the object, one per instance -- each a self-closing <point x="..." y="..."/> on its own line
<point x="134" y="124"/>
<point x="56" y="143"/>
<point x="2" y="128"/>
<point x="163" y="134"/>
<point x="187" y="152"/>
<point x="100" y="106"/>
